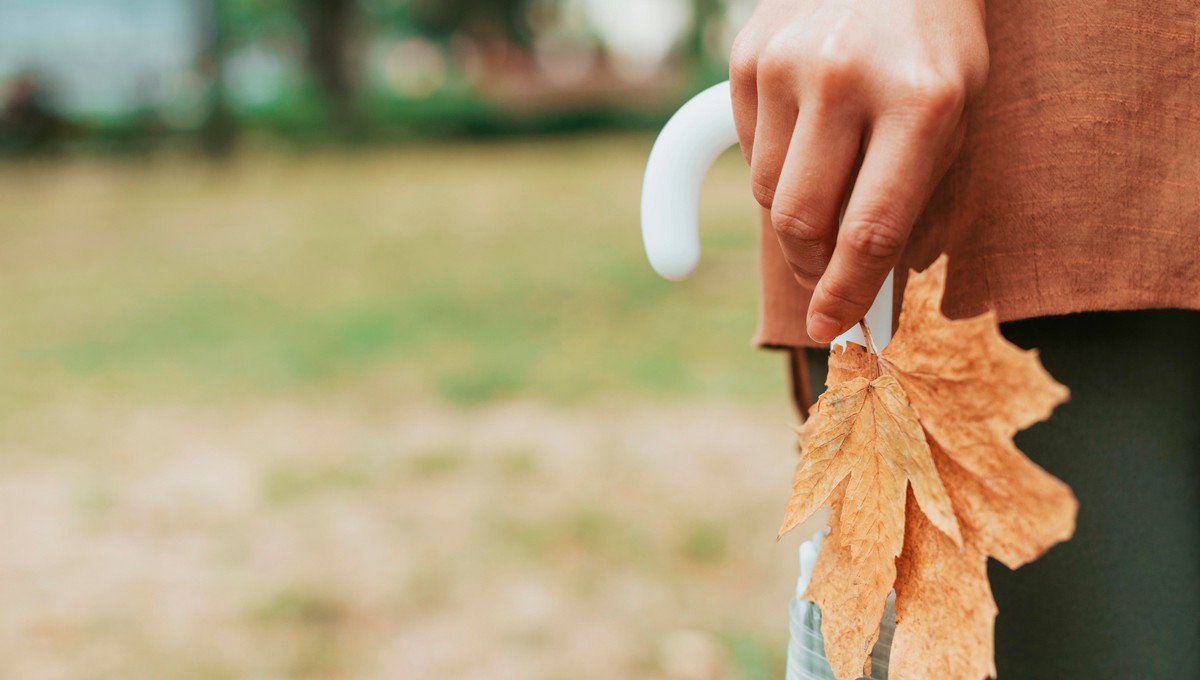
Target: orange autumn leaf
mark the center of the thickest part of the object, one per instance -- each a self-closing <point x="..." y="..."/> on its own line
<point x="973" y="391"/>
<point x="863" y="440"/>
<point x="945" y="601"/>
<point x="849" y="362"/>
<point x="866" y="431"/>
<point x="970" y="391"/>
<point x="850" y="626"/>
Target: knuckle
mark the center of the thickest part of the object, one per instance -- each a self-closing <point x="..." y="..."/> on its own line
<point x="845" y="296"/>
<point x="938" y="97"/>
<point x="804" y="239"/>
<point x="794" y="227"/>
<point x="743" y="63"/>
<point x="776" y="67"/>
<point x="837" y="60"/>
<point x="876" y="238"/>
<point x="764" y="191"/>
<point x="834" y="71"/>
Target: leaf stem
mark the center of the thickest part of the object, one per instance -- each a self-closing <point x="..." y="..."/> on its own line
<point x="879" y="367"/>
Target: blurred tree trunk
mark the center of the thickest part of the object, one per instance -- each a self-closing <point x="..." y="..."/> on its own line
<point x="330" y="28"/>
<point x="218" y="131"/>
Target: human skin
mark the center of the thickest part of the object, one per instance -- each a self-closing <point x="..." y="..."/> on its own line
<point x="849" y="113"/>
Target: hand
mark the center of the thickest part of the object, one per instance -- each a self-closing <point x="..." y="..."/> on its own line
<point x="854" y="106"/>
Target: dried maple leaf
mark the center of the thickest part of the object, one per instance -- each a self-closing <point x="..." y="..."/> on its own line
<point x="945" y="603"/>
<point x="974" y="390"/>
<point x="864" y="441"/>
<point x="850" y="625"/>
<point x="971" y="391"/>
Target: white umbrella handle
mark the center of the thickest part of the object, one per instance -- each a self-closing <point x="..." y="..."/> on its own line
<point x="686" y="148"/>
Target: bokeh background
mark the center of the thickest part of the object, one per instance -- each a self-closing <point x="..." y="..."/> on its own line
<point x="328" y="349"/>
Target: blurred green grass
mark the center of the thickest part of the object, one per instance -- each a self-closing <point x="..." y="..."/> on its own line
<point x="329" y="415"/>
<point x="469" y="273"/>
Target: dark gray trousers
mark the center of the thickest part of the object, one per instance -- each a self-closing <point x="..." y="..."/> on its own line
<point x="1121" y="600"/>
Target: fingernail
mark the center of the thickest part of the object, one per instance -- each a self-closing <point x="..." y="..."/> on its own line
<point x="822" y="328"/>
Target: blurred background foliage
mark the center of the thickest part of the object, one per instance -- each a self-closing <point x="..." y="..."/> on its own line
<point x="389" y="138"/>
<point x="129" y="75"/>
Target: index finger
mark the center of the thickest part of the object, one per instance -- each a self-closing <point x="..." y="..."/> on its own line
<point x="889" y="194"/>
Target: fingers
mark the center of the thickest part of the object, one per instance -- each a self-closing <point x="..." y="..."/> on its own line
<point x="776" y="122"/>
<point x="743" y="86"/>
<point x="815" y="179"/>
<point x="744" y="67"/>
<point x="888" y="196"/>
<point x="807" y="79"/>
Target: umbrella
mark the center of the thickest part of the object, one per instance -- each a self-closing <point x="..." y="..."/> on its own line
<point x="689" y="144"/>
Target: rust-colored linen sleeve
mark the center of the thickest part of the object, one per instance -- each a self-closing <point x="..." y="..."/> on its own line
<point x="783" y="302"/>
<point x="1078" y="186"/>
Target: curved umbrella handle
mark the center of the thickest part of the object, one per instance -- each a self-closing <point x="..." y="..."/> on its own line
<point x="687" y="147"/>
<point x="683" y="153"/>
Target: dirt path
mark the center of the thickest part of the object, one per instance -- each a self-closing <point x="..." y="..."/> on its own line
<point x="414" y="541"/>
